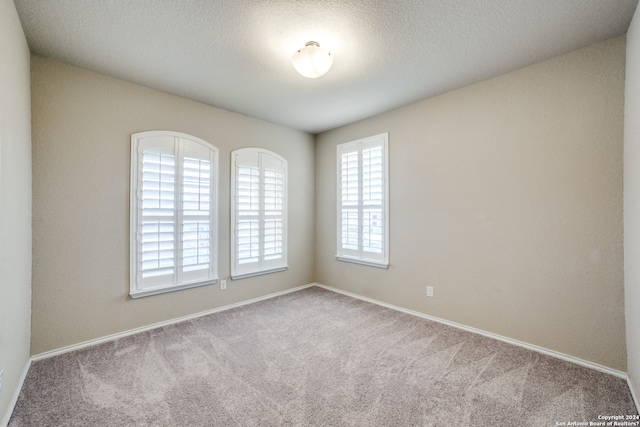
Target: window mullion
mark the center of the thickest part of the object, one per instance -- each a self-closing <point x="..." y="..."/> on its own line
<point x="236" y="216"/>
<point x="261" y="214"/>
<point x="213" y="207"/>
<point x="139" y="171"/>
<point x="360" y="201"/>
<point x="178" y="210"/>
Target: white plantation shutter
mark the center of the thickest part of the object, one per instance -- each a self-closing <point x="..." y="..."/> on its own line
<point x="350" y="200"/>
<point x="363" y="226"/>
<point x="173" y="215"/>
<point x="156" y="243"/>
<point x="247" y="220"/>
<point x="273" y="219"/>
<point x="197" y="223"/>
<point x="373" y="198"/>
<point x="258" y="212"/>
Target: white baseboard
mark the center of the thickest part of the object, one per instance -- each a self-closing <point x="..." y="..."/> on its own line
<point x="16" y="393"/>
<point x="533" y="347"/>
<point x="123" y="334"/>
<point x="633" y="393"/>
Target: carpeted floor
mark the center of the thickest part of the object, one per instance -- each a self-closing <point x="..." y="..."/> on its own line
<point x="313" y="358"/>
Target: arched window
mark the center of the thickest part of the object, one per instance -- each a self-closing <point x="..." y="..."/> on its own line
<point x="174" y="231"/>
<point x="258" y="212"/>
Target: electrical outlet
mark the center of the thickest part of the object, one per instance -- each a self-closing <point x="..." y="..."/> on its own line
<point x="430" y="291"/>
<point x="223" y="285"/>
<point x="1" y="378"/>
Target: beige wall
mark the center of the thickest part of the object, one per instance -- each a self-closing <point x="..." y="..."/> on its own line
<point x="82" y="122"/>
<point x="15" y="205"/>
<point x="632" y="202"/>
<point x="506" y="196"/>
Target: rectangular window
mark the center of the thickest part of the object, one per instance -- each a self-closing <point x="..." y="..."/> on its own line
<point x="363" y="201"/>
<point x="173" y="212"/>
<point x="259" y="188"/>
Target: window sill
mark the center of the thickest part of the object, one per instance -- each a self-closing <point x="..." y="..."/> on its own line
<point x="363" y="262"/>
<point x="258" y="273"/>
<point x="164" y="289"/>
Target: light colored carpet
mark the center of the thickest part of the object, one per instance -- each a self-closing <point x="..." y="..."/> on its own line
<point x="313" y="358"/>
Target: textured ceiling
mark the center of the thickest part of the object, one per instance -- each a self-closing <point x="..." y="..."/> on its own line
<point x="235" y="54"/>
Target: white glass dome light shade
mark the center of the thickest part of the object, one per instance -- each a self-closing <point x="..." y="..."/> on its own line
<point x="312" y="61"/>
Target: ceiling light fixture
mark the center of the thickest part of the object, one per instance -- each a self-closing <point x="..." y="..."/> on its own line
<point x="312" y="61"/>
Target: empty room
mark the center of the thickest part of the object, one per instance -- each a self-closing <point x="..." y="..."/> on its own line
<point x="319" y="213"/>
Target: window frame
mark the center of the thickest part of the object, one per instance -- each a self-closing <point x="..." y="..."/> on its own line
<point x="263" y="266"/>
<point x="175" y="142"/>
<point x="359" y="256"/>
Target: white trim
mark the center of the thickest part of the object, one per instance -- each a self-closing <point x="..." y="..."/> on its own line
<point x="130" y="332"/>
<point x="16" y="393"/>
<point x="633" y="393"/>
<point x="163" y="289"/>
<point x="361" y="261"/>
<point x="552" y="353"/>
<point x="259" y="273"/>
